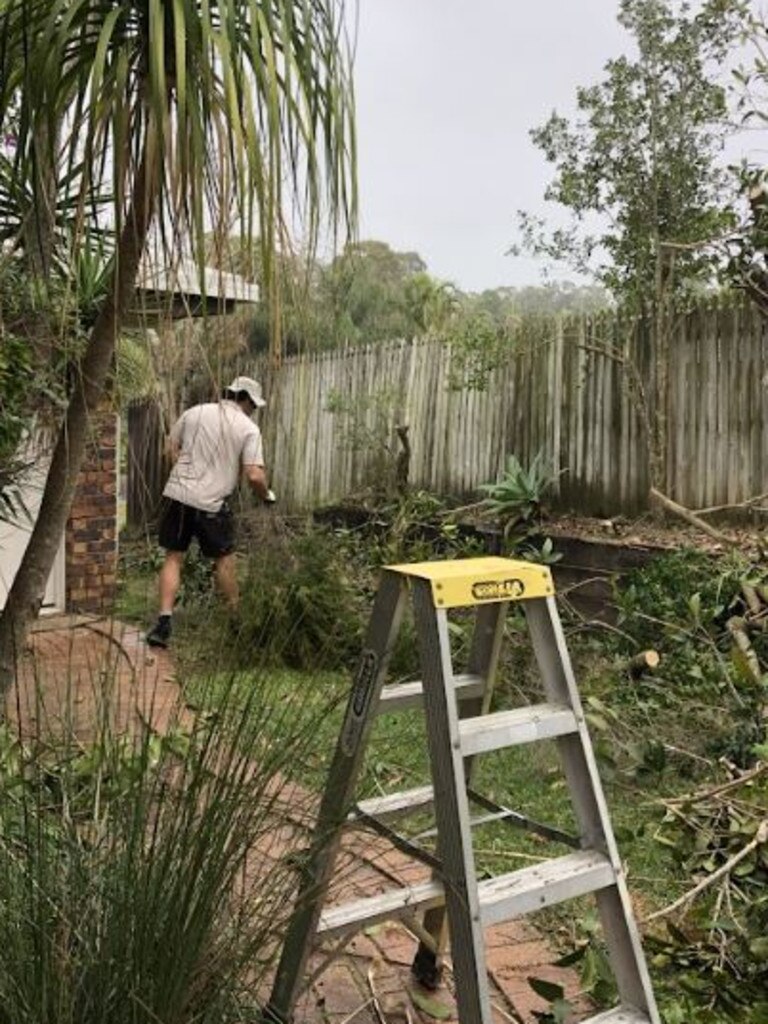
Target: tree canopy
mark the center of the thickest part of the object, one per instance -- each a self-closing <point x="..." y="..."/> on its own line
<point x="638" y="170"/>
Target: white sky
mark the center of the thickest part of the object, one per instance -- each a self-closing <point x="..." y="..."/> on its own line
<point x="446" y="93"/>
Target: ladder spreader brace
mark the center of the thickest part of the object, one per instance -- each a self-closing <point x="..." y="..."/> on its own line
<point x="460" y="728"/>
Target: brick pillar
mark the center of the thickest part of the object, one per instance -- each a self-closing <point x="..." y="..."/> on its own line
<point x="91" y="534"/>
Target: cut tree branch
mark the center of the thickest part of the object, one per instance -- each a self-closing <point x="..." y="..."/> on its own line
<point x="692" y="519"/>
<point x="747" y="503"/>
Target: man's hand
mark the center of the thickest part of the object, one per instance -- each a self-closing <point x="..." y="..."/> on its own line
<point x="271" y="497"/>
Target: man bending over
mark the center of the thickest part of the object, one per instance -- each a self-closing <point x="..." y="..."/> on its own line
<point x="211" y="445"/>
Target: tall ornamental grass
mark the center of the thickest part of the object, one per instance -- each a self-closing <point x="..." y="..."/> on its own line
<point x="141" y="877"/>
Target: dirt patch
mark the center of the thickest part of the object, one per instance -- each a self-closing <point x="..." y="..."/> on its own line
<point x="652" y="531"/>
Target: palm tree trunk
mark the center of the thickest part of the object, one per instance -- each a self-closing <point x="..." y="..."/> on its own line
<point x="28" y="588"/>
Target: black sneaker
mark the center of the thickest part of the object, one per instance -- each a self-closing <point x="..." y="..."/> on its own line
<point x="160" y="633"/>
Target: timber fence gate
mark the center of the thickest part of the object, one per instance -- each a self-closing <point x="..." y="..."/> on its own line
<point x="147" y="462"/>
<point x="581" y="390"/>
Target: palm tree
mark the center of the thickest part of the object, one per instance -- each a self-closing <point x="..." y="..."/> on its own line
<point x="187" y="113"/>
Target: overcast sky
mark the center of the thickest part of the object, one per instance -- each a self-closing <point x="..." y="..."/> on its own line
<point x="446" y="93"/>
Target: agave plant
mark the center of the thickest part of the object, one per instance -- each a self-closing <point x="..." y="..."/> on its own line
<point x="516" y="498"/>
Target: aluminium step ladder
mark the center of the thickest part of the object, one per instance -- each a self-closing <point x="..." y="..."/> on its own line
<point x="459" y="729"/>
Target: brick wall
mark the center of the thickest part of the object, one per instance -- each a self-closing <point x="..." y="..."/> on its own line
<point x="91" y="535"/>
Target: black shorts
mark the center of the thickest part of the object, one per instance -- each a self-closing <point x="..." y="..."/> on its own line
<point x="179" y="524"/>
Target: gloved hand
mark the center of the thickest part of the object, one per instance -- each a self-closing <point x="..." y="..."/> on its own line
<point x="271" y="497"/>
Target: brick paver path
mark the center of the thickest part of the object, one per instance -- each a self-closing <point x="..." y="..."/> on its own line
<point x="77" y="662"/>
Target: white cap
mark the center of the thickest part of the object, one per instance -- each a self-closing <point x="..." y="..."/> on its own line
<point x="251" y="387"/>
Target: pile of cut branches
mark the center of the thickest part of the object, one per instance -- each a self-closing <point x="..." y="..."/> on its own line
<point x="716" y="939"/>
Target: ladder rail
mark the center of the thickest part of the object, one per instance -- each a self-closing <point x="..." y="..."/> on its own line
<point x="578" y="760"/>
<point x="338" y="797"/>
<point x="454" y="842"/>
<point x="484" y="653"/>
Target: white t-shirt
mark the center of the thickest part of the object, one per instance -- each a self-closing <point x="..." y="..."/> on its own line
<point x="215" y="440"/>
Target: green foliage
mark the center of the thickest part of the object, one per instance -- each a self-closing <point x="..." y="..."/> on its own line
<point x="642" y="155"/>
<point x="367" y="422"/>
<point x="123" y="878"/>
<point x="681" y="605"/>
<point x="145" y="86"/>
<point x="543" y="555"/>
<point x="590" y="958"/>
<point x="417" y="527"/>
<point x="681" y="589"/>
<point x="696" y="716"/>
<point x="479" y="346"/>
<point x="507" y="304"/>
<point x="560" y="1010"/>
<point x="135" y="376"/>
<point x="744" y="248"/>
<point x="366" y="291"/>
<point x="367" y="294"/>
<point x="717" y="958"/>
<point x="371" y="294"/>
<point x="16" y="375"/>
<point x="298" y="605"/>
<point x="32" y="373"/>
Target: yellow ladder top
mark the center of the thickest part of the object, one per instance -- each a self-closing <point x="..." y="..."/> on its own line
<point x="462" y="582"/>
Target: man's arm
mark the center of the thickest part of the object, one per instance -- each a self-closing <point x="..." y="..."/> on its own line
<point x="257" y="478"/>
<point x="253" y="464"/>
<point x="173" y="443"/>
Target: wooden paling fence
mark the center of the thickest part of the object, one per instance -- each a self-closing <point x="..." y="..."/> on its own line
<point x="580" y="390"/>
<point x="583" y="391"/>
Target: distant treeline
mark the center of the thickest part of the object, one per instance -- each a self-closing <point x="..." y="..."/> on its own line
<point x="371" y="293"/>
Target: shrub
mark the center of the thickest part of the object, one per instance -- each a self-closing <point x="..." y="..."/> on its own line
<point x="681" y="605"/>
<point x="516" y="499"/>
<point x="299" y="605"/>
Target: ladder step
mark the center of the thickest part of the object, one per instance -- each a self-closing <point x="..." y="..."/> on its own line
<point x="543" y="885"/>
<point x="395" y="804"/>
<point x="501" y="898"/>
<point x="398" y="696"/>
<point x="336" y="921"/>
<point x="621" y="1015"/>
<point x="509" y="728"/>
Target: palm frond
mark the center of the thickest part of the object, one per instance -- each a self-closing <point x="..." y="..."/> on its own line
<point x="244" y="106"/>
